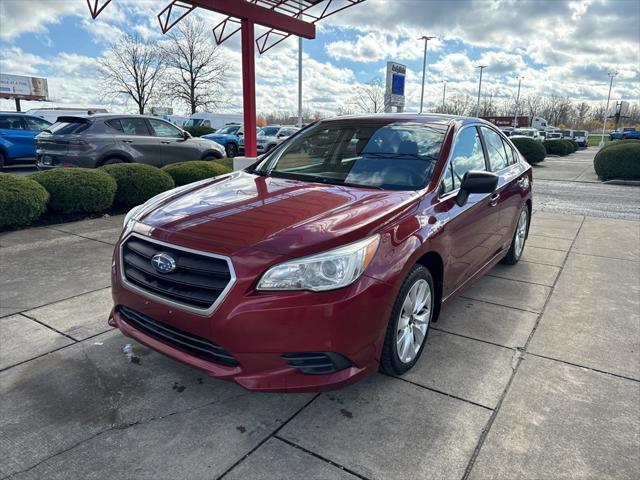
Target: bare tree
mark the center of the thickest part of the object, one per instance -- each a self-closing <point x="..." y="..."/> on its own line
<point x="369" y="98"/>
<point x="196" y="67"/>
<point x="133" y="68"/>
<point x="458" y="104"/>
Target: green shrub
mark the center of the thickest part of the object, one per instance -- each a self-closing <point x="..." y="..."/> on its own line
<point x="621" y="160"/>
<point x="620" y="142"/>
<point x="22" y="200"/>
<point x="199" y="131"/>
<point x="75" y="190"/>
<point x="574" y="145"/>
<point x="188" y="172"/>
<point x="137" y="183"/>
<point x="226" y="162"/>
<point x="532" y="150"/>
<point x="557" y="147"/>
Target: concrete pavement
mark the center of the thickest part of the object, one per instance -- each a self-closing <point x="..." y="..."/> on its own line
<point x="534" y="373"/>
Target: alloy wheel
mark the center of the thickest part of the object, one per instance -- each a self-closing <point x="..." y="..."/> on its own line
<point x="521" y="232"/>
<point x="413" y="321"/>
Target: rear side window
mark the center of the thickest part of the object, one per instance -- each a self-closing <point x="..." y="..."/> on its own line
<point x="498" y="158"/>
<point x="12" y="123"/>
<point x="467" y="155"/>
<point x="130" y="126"/>
<point x="37" y="124"/>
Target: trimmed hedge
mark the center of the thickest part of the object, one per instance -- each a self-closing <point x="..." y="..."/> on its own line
<point x="22" y="200"/>
<point x="532" y="150"/>
<point x="199" y="131"/>
<point x="621" y="160"/>
<point x="137" y="182"/>
<point x="557" y="147"/>
<point x="574" y="145"/>
<point x="75" y="190"/>
<point x="188" y="172"/>
<point x="619" y="142"/>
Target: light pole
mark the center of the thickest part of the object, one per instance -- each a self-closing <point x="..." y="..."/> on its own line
<point x="515" y="116"/>
<point x="481" y="67"/>
<point x="444" y="94"/>
<point x="300" y="82"/>
<point x="606" y="112"/>
<point x="424" y="67"/>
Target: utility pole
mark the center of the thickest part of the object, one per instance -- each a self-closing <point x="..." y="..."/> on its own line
<point x="606" y="112"/>
<point x="426" y="39"/>
<point x="481" y="67"/>
<point x="515" y="116"/>
<point x="444" y="95"/>
<point x="300" y="82"/>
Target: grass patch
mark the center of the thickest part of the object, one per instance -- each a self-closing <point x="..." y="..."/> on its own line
<point x="594" y="140"/>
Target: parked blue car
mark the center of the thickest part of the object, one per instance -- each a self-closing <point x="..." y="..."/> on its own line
<point x="17" y="134"/>
<point x="229" y="137"/>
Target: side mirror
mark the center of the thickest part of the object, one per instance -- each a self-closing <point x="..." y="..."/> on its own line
<point x="476" y="182"/>
<point x="186" y="135"/>
<point x="240" y="134"/>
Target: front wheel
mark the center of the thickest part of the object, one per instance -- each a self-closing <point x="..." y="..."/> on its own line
<point x="519" y="238"/>
<point x="232" y="150"/>
<point x="409" y="323"/>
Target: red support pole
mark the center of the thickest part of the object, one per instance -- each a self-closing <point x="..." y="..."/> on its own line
<point x="249" y="87"/>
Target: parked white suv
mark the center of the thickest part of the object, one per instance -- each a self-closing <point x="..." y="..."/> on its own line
<point x="526" y="132"/>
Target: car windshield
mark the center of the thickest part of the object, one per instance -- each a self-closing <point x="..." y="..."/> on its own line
<point x="193" y="122"/>
<point x="528" y="133"/>
<point x="268" y="131"/>
<point x="229" y="130"/>
<point x="394" y="155"/>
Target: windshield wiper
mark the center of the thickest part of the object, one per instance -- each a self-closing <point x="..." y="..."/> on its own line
<point x="397" y="155"/>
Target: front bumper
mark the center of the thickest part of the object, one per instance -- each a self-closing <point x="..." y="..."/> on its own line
<point x="257" y="328"/>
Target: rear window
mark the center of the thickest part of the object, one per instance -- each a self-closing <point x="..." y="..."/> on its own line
<point x="66" y="128"/>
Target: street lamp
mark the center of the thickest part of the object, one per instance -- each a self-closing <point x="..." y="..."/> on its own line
<point x="444" y="94"/>
<point x="515" y="116"/>
<point x="299" y="82"/>
<point x="424" y="67"/>
<point x="481" y="67"/>
<point x="606" y="112"/>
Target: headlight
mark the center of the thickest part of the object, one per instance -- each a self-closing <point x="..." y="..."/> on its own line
<point x="129" y="218"/>
<point x="336" y="268"/>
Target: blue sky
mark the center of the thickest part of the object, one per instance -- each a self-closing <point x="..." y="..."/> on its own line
<point x="560" y="47"/>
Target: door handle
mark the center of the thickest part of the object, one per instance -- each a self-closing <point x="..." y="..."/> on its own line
<point x="127" y="141"/>
<point x="493" y="201"/>
<point x="166" y="142"/>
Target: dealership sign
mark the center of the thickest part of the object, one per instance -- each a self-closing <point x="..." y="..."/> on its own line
<point x="394" y="89"/>
<point x="26" y="88"/>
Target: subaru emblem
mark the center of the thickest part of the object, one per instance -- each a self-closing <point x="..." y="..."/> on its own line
<point x="163" y="263"/>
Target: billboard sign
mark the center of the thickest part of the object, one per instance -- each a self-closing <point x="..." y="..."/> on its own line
<point x="26" y="88"/>
<point x="521" y="122"/>
<point x="394" y="89"/>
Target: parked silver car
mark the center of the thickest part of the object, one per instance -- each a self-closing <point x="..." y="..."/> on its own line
<point x="96" y="140"/>
<point x="272" y="135"/>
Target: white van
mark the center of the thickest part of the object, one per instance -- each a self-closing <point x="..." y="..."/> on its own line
<point x="213" y="120"/>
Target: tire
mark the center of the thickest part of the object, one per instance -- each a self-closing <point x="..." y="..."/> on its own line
<point x="398" y="355"/>
<point x="3" y="160"/>
<point x="211" y="157"/>
<point x="231" y="149"/>
<point x="519" y="237"/>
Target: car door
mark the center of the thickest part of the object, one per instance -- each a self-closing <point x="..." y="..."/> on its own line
<point x="471" y="228"/>
<point x="507" y="199"/>
<point x="173" y="146"/>
<point x="136" y="139"/>
<point x="18" y="140"/>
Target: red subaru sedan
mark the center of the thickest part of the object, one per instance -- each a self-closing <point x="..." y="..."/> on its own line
<point x="327" y="259"/>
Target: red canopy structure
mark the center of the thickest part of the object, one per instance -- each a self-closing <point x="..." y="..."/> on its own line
<point x="283" y="18"/>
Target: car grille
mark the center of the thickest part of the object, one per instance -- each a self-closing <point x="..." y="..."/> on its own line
<point x="316" y="363"/>
<point x="197" y="282"/>
<point x="192" y="344"/>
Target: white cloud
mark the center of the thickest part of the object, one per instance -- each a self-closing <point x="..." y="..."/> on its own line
<point x="373" y="47"/>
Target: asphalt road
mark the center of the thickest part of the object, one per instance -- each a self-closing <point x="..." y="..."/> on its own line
<point x="590" y="199"/>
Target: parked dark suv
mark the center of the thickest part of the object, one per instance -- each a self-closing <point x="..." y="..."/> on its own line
<point x="98" y="140"/>
<point x="329" y="257"/>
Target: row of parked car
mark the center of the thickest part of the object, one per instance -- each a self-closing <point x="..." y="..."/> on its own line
<point x="581" y="137"/>
<point x="94" y="140"/>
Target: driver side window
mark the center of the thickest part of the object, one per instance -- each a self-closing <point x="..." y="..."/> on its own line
<point x="467" y="155"/>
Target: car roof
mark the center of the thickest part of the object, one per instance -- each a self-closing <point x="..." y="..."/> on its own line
<point x="437" y="118"/>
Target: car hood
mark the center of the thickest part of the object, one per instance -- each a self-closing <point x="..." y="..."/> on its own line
<point x="219" y="137"/>
<point x="277" y="215"/>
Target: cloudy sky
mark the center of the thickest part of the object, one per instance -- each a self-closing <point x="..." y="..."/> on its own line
<point x="560" y="47"/>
